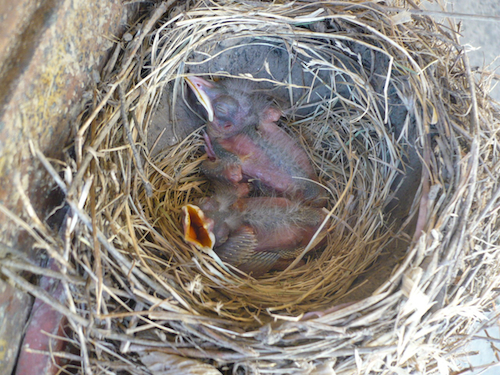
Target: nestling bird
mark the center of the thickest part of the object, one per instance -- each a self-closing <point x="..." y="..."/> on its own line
<point x="256" y="234"/>
<point x="225" y="172"/>
<point x="244" y="140"/>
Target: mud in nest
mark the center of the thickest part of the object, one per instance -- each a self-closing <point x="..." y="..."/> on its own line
<point x="405" y="146"/>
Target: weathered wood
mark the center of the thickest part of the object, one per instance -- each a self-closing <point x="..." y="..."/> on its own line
<point x="14" y="309"/>
<point x="44" y="327"/>
<point x="51" y="53"/>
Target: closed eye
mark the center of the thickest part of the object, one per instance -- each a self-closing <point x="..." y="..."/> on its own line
<point x="221" y="109"/>
<point x="225" y="108"/>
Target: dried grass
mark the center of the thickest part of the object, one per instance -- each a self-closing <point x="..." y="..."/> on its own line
<point x="141" y="300"/>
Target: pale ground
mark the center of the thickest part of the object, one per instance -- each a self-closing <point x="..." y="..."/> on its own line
<point x="485" y="36"/>
<point x="481" y="36"/>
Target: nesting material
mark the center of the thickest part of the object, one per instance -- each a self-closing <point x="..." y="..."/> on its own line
<point x="404" y="144"/>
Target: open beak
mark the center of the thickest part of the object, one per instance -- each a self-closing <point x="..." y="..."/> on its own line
<point x="201" y="88"/>
<point x="197" y="228"/>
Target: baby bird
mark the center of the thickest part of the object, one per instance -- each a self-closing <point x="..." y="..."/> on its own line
<point x="244" y="140"/>
<point x="254" y="234"/>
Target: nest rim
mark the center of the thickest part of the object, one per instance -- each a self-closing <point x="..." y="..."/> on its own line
<point x="454" y="196"/>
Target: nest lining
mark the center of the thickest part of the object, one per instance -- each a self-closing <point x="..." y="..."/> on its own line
<point x="356" y="158"/>
<point x="154" y="295"/>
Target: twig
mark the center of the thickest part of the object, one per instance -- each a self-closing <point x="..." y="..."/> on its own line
<point x="65" y="355"/>
<point x="137" y="158"/>
<point x="23" y="266"/>
<point x="474" y="119"/>
<point x="34" y="234"/>
<point x="50" y="169"/>
<point x="44" y="296"/>
<point x="134" y="47"/>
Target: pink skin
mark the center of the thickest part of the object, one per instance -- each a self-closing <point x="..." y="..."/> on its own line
<point x="257" y="234"/>
<point x="244" y="125"/>
<point x="258" y="165"/>
<point x="225" y="172"/>
<point x="209" y="148"/>
<point x="288" y="236"/>
<point x="244" y="144"/>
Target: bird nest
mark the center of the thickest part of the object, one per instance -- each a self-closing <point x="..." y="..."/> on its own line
<point x="405" y="146"/>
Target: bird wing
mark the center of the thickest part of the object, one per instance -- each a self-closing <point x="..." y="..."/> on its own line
<point x="240" y="251"/>
<point x="260" y="263"/>
<point x="239" y="246"/>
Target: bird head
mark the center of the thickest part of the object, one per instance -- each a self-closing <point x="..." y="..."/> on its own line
<point x="231" y="105"/>
<point x="220" y="215"/>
